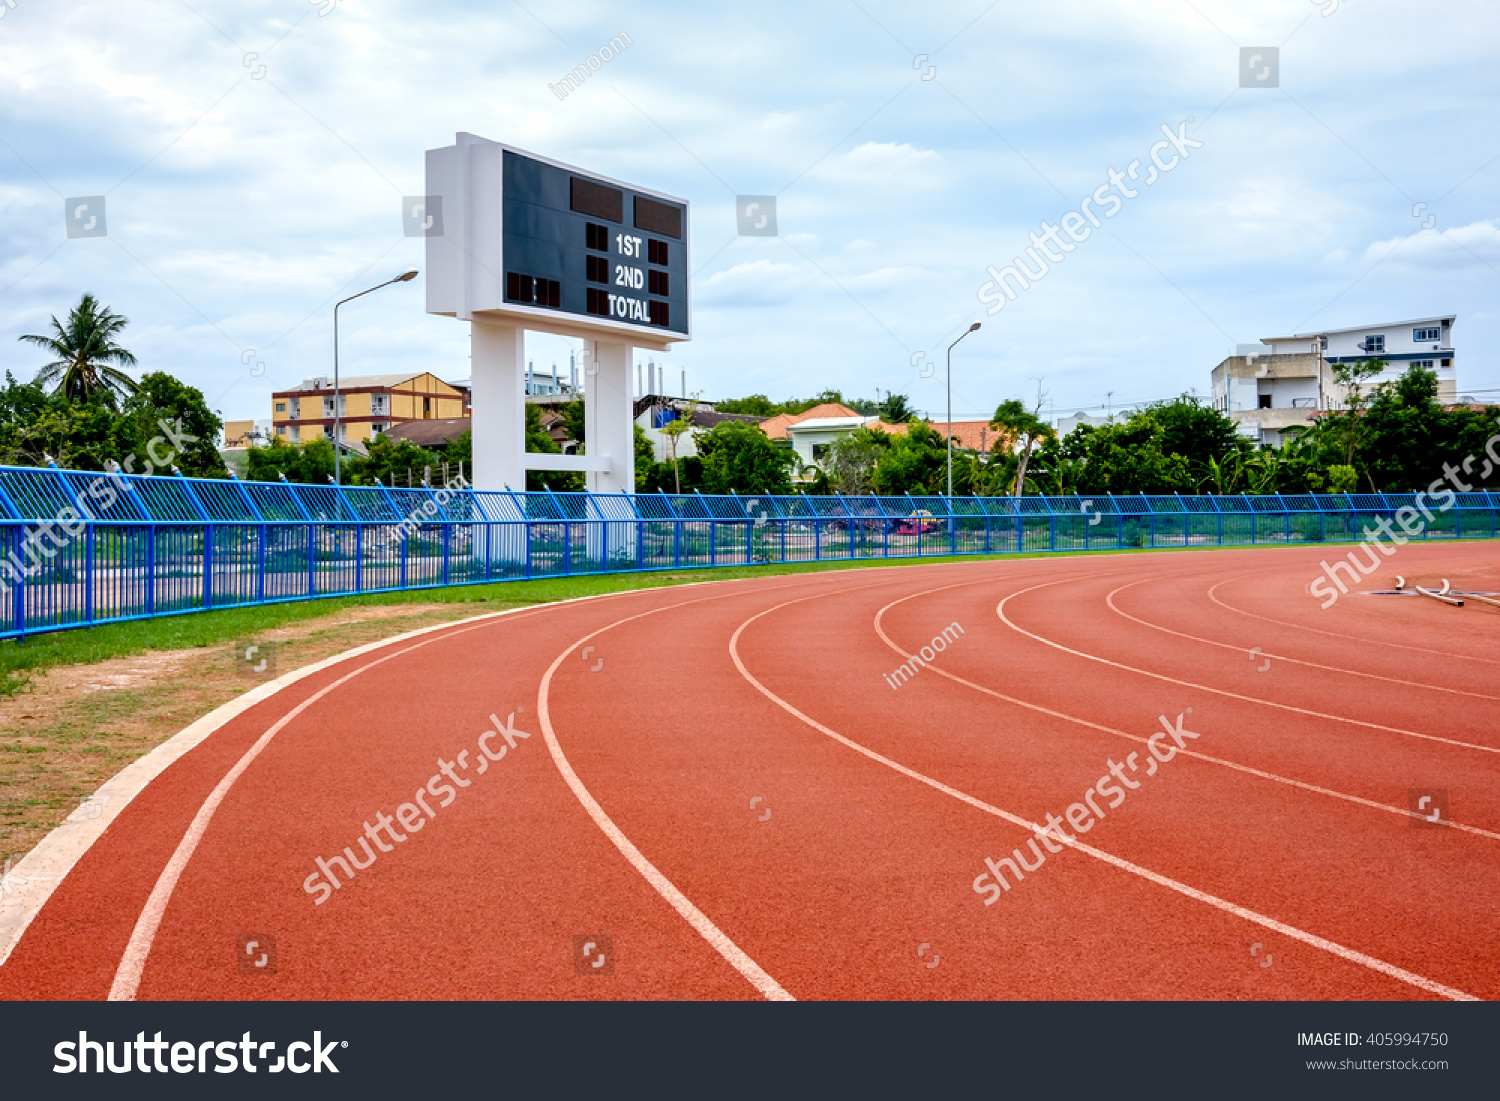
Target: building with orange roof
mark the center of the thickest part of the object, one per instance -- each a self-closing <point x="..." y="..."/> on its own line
<point x="967" y="435"/>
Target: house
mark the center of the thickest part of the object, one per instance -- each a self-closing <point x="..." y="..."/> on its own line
<point x="813" y="432"/>
<point x="242" y="434"/>
<point x="368" y="405"/>
<point x="967" y="435"/>
<point x="429" y="433"/>
<point x="1276" y="387"/>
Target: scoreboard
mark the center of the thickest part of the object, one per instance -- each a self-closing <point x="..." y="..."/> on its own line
<point x="553" y="248"/>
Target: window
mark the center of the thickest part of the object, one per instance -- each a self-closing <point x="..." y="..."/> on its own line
<point x="426" y="408"/>
<point x="281" y="407"/>
<point x="1422" y="363"/>
<point x="1447" y="363"/>
<point x="1265" y="401"/>
<point x="281" y="430"/>
<point x="1374" y="343"/>
<point x="1421" y="336"/>
<point x="819" y="450"/>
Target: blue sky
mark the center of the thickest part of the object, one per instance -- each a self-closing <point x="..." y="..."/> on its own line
<point x="246" y="193"/>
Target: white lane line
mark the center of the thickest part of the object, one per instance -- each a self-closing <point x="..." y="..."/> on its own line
<point x="1110" y="600"/>
<point x="1335" y="634"/>
<point x="133" y="963"/>
<point x="1348" y="954"/>
<point x="61" y="850"/>
<point x="1000" y="611"/>
<point x="737" y="958"/>
<point x="1182" y="751"/>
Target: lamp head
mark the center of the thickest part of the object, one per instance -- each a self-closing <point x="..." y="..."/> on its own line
<point x="406" y="276"/>
<point x="973" y="327"/>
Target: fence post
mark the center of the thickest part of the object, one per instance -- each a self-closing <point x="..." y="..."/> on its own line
<point x="88" y="574"/>
<point x="151" y="569"/>
<point x="18" y="601"/>
<point x="447" y="539"/>
<point x="312" y="561"/>
<point x="359" y="557"/>
<point x="260" y="567"/>
<point x="208" y="565"/>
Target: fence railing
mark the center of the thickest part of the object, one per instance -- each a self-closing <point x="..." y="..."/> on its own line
<point x="84" y="548"/>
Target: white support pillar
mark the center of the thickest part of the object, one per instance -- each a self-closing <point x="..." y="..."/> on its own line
<point x="609" y="421"/>
<point x="499" y="424"/>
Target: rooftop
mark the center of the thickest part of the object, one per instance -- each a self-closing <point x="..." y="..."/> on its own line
<point x="1450" y="318"/>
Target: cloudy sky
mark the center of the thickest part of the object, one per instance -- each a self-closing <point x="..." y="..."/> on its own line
<point x="253" y="155"/>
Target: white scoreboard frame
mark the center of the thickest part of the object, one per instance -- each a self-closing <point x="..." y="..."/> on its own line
<point x="466" y="280"/>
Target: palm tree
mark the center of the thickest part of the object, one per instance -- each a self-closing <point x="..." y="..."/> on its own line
<point x="85" y="350"/>
<point x="1026" y="429"/>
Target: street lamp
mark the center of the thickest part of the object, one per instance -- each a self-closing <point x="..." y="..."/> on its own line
<point x="405" y="277"/>
<point x="965" y="333"/>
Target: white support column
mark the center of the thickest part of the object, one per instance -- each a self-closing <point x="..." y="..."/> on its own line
<point x="499" y="423"/>
<point x="609" y="423"/>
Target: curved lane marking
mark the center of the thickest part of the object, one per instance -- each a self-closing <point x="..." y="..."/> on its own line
<point x="1348" y="954"/>
<point x="1335" y="634"/>
<point x="1403" y="812"/>
<point x="1110" y="600"/>
<point x="138" y="949"/>
<point x="127" y="979"/>
<point x="737" y="958"/>
<point x="1000" y="611"/>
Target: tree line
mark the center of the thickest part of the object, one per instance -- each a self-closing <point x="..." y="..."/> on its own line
<point x="84" y="412"/>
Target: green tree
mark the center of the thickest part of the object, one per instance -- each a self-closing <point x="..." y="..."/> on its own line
<point x="1027" y="429"/>
<point x="574" y="422"/>
<point x="88" y="359"/>
<point x="1197" y="432"/>
<point x="1347" y="428"/>
<point x="391" y="462"/>
<point x="896" y="409"/>
<point x="310" y="463"/>
<point x="645" y="459"/>
<point x="756" y="405"/>
<point x="916" y="462"/>
<point x="538" y="442"/>
<point x="175" y="416"/>
<point x="739" y="457"/>
<point x="674" y="430"/>
<point x="851" y="460"/>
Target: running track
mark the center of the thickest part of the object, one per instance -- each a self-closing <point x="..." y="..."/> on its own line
<point x="628" y="811"/>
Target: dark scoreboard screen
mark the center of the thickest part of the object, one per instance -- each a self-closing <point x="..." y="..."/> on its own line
<point x="581" y="245"/>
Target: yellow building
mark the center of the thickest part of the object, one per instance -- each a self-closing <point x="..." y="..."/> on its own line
<point x="368" y="406"/>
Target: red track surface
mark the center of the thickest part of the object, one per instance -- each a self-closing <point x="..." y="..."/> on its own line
<point x="1285" y="824"/>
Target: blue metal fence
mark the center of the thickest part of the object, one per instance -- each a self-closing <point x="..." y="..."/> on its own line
<point x="80" y="548"/>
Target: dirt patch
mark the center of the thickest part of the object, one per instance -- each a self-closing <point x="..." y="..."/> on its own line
<point x="75" y="726"/>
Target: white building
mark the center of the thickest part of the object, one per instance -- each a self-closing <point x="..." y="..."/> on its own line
<point x="1280" y="383"/>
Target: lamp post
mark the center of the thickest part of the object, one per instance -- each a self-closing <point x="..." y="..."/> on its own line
<point x="405" y="277"/>
<point x="965" y="333"/>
